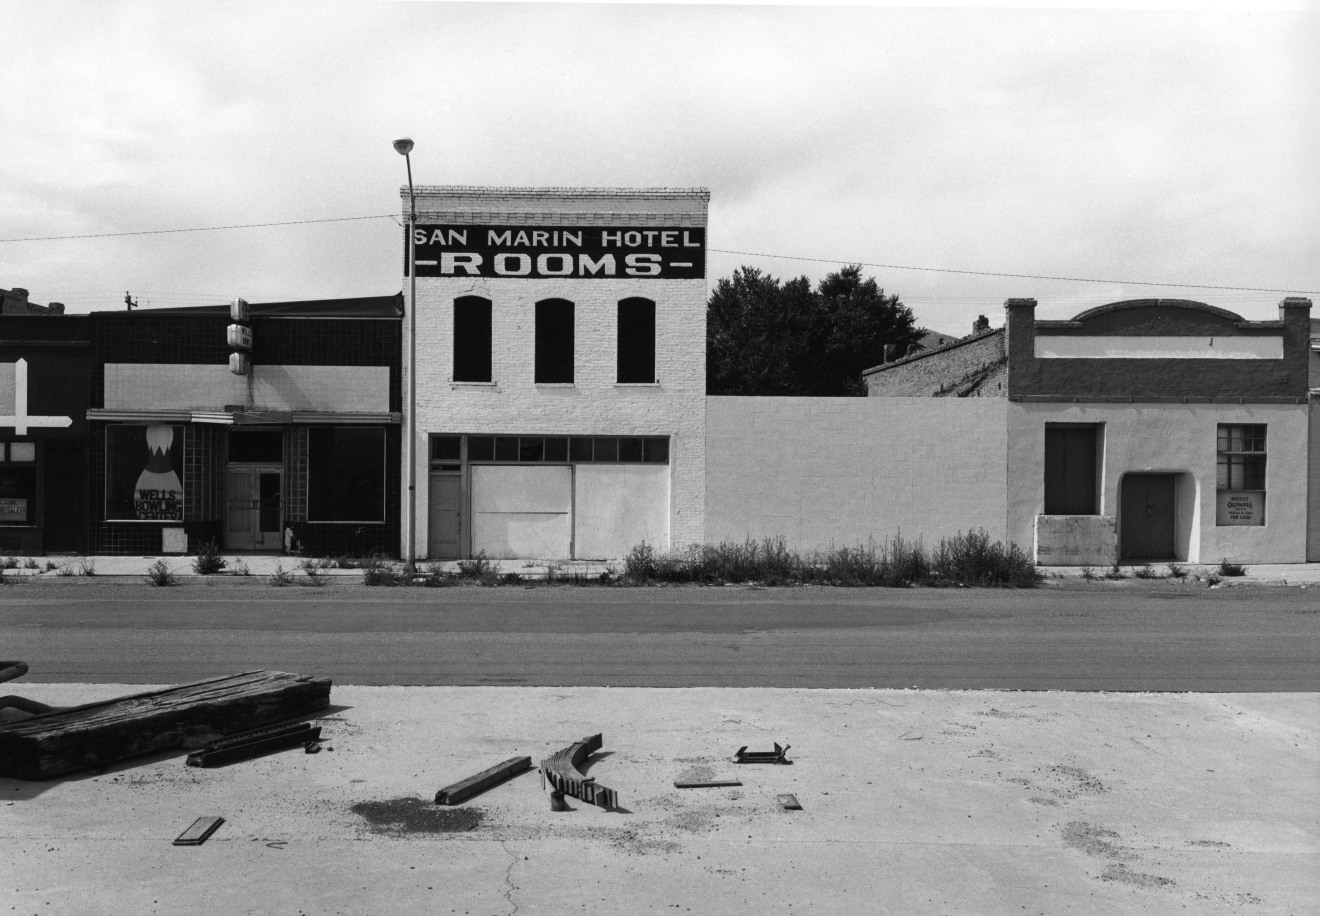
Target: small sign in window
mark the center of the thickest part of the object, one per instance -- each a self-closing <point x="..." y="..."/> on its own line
<point x="1240" y="507"/>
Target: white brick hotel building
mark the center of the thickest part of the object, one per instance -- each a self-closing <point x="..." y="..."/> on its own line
<point x="561" y="381"/>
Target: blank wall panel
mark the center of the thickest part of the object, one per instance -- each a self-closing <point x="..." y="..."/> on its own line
<point x="522" y="512"/>
<point x="618" y="507"/>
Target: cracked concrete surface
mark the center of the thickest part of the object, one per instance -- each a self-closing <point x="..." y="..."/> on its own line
<point x="914" y="802"/>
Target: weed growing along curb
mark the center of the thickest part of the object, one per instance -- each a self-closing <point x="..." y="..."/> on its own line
<point x="158" y="574"/>
<point x="208" y="560"/>
<point x="963" y="560"/>
<point x="1145" y="572"/>
<point x="1177" y="572"/>
<point x="1231" y="569"/>
<point x="281" y="576"/>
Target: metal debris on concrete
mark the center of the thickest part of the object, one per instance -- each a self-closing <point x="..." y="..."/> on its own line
<point x="789" y="802"/>
<point x="778" y="755"/>
<point x="704" y="783"/>
<point x="14" y="669"/>
<point x="560" y="770"/>
<point x="199" y="832"/>
<point x="255" y="743"/>
<point x="474" y="785"/>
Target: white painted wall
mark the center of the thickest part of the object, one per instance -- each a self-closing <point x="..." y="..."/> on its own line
<point x="1163" y="347"/>
<point x="594" y="405"/>
<point x="168" y="386"/>
<point x="827" y="472"/>
<point x="1176" y="439"/>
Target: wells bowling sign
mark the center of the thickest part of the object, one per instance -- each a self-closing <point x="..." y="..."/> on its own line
<point x="579" y="252"/>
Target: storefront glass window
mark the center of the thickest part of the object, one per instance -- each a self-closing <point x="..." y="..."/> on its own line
<point x="143" y="473"/>
<point x="1241" y="474"/>
<point x="18" y="483"/>
<point x="346" y="474"/>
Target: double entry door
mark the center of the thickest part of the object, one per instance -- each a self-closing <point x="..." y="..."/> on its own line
<point x="253" y="508"/>
<point x="1146" y="516"/>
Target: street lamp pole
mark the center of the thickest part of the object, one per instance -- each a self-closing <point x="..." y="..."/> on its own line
<point x="403" y="147"/>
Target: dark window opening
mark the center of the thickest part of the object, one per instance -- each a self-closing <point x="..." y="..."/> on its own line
<point x="554" y="342"/>
<point x="655" y="450"/>
<point x="630" y="449"/>
<point x="636" y="347"/>
<point x="472" y="339"/>
<point x="345" y="474"/>
<point x="264" y="446"/>
<point x="481" y="448"/>
<point x="556" y="448"/>
<point x="559" y="449"/>
<point x="445" y="448"/>
<point x="1071" y="463"/>
<point x="605" y="448"/>
<point x="531" y="448"/>
<point x="506" y="448"/>
<point x="18" y="494"/>
<point x="580" y="449"/>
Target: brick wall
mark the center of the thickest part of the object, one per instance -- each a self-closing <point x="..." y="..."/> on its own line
<point x="822" y="471"/>
<point x="675" y="406"/>
<point x="975" y="367"/>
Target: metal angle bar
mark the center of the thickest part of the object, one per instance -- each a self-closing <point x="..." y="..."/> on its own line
<point x="255" y="734"/>
<point x="474" y="785"/>
<point x="778" y="755"/>
<point x="789" y="802"/>
<point x="256" y="748"/>
<point x="198" y="833"/>
<point x="704" y="784"/>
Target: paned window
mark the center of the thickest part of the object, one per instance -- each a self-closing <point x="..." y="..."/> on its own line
<point x="564" y="449"/>
<point x="1241" y="474"/>
<point x="18" y="483"/>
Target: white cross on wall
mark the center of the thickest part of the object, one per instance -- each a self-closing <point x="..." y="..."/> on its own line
<point x="20" y="419"/>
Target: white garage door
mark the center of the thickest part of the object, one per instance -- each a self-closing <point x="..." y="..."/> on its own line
<point x="522" y="512"/>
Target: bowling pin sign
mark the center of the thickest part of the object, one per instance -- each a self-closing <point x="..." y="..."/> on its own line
<point x="159" y="491"/>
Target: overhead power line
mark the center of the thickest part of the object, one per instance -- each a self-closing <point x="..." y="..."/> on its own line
<point x="991" y="273"/>
<point x="752" y="254"/>
<point x="106" y="235"/>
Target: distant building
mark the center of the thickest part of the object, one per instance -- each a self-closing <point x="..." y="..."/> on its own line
<point x="15" y="302"/>
<point x="1152" y="429"/>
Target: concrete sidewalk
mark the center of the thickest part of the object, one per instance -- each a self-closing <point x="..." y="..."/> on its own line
<point x="263" y="566"/>
<point x="914" y="802"/>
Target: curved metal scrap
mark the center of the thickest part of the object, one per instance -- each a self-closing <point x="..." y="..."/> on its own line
<point x="11" y="670"/>
<point x="561" y="771"/>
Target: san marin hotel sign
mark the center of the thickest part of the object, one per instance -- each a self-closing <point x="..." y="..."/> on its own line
<point x="579" y="252"/>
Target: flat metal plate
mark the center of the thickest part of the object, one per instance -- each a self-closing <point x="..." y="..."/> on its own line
<point x="789" y="802"/>
<point x="200" y="830"/>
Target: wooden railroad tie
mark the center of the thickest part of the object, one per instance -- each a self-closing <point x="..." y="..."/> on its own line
<point x="97" y="734"/>
<point x="474" y="785"/>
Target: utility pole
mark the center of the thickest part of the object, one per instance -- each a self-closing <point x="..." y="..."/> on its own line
<point x="129" y="301"/>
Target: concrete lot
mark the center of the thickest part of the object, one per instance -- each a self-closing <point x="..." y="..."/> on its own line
<point x="915" y="802"/>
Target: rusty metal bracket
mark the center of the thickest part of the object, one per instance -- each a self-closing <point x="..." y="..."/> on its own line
<point x="778" y="755"/>
<point x="560" y="769"/>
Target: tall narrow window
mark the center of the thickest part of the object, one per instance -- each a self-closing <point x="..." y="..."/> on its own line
<point x="636" y="341"/>
<point x="554" y="341"/>
<point x="1070" y="469"/>
<point x="1241" y="477"/>
<point x="472" y="339"/>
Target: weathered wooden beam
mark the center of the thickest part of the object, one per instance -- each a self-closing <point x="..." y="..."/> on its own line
<point x="199" y="832"/>
<point x="97" y="734"/>
<point x="474" y="785"/>
<point x="254" y="743"/>
<point x="704" y="783"/>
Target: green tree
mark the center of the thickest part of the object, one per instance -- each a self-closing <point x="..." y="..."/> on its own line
<point x="766" y="337"/>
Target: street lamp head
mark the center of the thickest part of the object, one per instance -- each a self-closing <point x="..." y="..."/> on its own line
<point x="403" y="146"/>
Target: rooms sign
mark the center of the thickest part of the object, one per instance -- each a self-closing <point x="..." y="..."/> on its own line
<point x="578" y="252"/>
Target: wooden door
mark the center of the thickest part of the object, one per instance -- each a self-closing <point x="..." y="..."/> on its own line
<point x="444" y="525"/>
<point x="1146" y="517"/>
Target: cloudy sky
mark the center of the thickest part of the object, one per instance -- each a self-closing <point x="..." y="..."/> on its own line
<point x="938" y="146"/>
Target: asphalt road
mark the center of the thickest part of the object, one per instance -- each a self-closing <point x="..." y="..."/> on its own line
<point x="1127" y="636"/>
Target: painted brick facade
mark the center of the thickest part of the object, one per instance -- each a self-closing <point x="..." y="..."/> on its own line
<point x="975" y="366"/>
<point x="842" y="471"/>
<point x="594" y="404"/>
